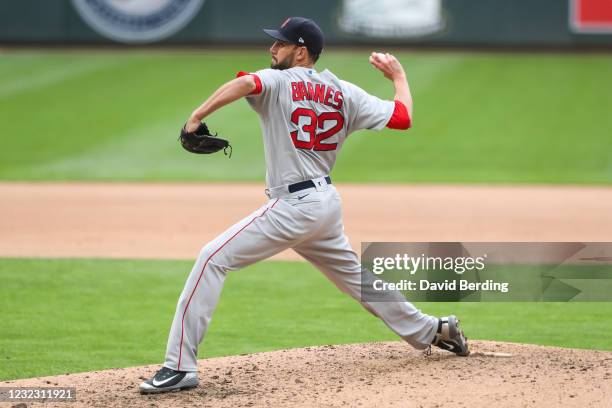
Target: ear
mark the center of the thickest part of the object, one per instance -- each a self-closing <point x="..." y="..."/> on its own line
<point x="302" y="54"/>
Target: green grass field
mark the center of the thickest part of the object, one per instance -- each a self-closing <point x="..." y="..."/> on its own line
<point x="511" y="118"/>
<point x="78" y="315"/>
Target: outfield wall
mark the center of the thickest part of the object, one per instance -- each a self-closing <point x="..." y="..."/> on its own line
<point x="555" y="23"/>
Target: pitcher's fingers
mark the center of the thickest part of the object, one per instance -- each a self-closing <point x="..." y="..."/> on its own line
<point x="375" y="62"/>
<point x="379" y="66"/>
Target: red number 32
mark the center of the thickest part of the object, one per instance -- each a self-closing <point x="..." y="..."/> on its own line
<point x="315" y="140"/>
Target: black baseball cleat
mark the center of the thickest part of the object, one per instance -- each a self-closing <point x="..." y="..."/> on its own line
<point x="168" y="379"/>
<point x="450" y="337"/>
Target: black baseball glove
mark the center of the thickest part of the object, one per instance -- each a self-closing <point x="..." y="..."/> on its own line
<point x="202" y="142"/>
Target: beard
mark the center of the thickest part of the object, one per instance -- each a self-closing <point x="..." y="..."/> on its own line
<point x="284" y="64"/>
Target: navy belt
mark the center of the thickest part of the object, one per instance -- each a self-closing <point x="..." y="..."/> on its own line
<point x="303" y="185"/>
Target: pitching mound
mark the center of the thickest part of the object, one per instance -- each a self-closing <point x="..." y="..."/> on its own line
<point x="366" y="375"/>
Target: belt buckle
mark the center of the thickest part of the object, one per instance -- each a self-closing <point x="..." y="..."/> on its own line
<point x="320" y="183"/>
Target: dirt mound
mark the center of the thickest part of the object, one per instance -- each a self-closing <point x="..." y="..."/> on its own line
<point x="363" y="375"/>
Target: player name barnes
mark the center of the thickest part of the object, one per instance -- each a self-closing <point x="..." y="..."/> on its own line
<point x="446" y="286"/>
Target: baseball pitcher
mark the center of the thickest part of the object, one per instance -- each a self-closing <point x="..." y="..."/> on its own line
<point x="306" y="116"/>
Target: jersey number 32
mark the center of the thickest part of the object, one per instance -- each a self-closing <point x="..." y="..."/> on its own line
<point x="315" y="140"/>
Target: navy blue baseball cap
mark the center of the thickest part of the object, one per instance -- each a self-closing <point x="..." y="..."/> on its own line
<point x="300" y="31"/>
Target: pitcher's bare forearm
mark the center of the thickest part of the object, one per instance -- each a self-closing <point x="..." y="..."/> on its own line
<point x="226" y="94"/>
<point x="402" y="92"/>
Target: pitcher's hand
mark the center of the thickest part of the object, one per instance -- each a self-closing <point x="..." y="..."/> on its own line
<point x="388" y="65"/>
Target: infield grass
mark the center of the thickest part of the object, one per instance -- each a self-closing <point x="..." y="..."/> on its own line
<point x="508" y="118"/>
<point x="62" y="316"/>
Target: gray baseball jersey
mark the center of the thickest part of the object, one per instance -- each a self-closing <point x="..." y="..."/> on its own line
<point x="305" y="117"/>
<point x="318" y="111"/>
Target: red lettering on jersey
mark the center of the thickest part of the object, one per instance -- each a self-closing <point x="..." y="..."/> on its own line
<point x="303" y="91"/>
<point x="319" y="93"/>
<point x="310" y="91"/>
<point x="339" y="99"/>
<point x="328" y="96"/>
<point x="295" y="93"/>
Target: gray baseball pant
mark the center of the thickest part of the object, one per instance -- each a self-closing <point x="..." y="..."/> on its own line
<point x="312" y="226"/>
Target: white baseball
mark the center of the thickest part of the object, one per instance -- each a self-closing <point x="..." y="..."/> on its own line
<point x="380" y="56"/>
